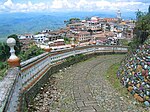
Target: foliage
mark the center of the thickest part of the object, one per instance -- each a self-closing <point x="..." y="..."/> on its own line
<point x="134" y="43"/>
<point x="143" y="23"/>
<point x="3" y="69"/>
<point x="76" y="58"/>
<point x="124" y="42"/>
<point x="67" y="40"/>
<point x="4" y="52"/>
<point x="142" y="29"/>
<point x="72" y="20"/>
<point x="139" y="14"/>
<point x="31" y="52"/>
<point x="4" y="49"/>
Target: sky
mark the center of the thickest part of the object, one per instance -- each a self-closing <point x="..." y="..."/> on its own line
<point x="11" y="6"/>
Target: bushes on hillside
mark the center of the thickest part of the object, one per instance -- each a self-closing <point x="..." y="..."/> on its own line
<point x="31" y="52"/>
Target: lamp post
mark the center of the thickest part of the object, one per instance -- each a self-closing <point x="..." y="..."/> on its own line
<point x="13" y="60"/>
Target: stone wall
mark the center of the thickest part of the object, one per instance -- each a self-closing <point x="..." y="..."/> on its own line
<point x="134" y="73"/>
<point x="9" y="91"/>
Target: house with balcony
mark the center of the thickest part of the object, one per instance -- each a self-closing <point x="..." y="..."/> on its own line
<point x="83" y="36"/>
<point x="40" y="38"/>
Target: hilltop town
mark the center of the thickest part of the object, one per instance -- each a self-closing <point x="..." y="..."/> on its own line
<point x="97" y="30"/>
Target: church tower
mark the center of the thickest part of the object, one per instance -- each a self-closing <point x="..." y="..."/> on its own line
<point x="119" y="16"/>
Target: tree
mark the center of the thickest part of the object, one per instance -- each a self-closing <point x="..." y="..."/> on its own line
<point x="139" y="14"/>
<point x="74" y="20"/>
<point x="31" y="52"/>
<point x="149" y="10"/>
<point x="4" y="51"/>
<point x="142" y="28"/>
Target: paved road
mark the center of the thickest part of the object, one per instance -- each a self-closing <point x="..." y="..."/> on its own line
<point x="83" y="88"/>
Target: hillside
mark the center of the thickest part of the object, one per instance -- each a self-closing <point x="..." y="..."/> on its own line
<point x="20" y="23"/>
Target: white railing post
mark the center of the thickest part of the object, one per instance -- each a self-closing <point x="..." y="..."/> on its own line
<point x="13" y="60"/>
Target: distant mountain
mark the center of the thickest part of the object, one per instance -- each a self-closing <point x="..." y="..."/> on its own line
<point x="20" y="23"/>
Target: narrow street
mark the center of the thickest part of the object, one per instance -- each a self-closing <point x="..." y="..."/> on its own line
<point x="83" y="88"/>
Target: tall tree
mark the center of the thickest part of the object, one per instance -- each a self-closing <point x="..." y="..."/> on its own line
<point x="4" y="51"/>
<point x="149" y="10"/>
<point x="142" y="26"/>
<point x="139" y="14"/>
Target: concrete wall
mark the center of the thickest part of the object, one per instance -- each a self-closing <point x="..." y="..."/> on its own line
<point x="19" y="87"/>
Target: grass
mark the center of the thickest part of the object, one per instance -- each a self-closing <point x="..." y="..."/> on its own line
<point x="2" y="73"/>
<point x="115" y="82"/>
<point x="111" y="75"/>
<point x="124" y="42"/>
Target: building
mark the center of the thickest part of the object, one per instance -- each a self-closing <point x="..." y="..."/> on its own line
<point x="40" y="38"/>
<point x="119" y="16"/>
<point x="83" y="36"/>
<point x="94" y="24"/>
<point x="25" y="36"/>
<point x="26" y="43"/>
<point x="58" y="42"/>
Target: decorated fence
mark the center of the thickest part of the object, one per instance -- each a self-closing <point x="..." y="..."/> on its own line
<point x="23" y="76"/>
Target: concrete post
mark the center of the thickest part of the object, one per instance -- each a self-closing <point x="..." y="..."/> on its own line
<point x="72" y="43"/>
<point x="47" y="48"/>
<point x="13" y="60"/>
<point x="94" y="41"/>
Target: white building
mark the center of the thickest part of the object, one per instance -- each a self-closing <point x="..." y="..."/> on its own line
<point x="26" y="36"/>
<point x="40" y="38"/>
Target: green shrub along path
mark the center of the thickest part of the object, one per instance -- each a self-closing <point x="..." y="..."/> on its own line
<point x="88" y="86"/>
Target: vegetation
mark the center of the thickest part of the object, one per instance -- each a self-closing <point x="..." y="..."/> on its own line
<point x="5" y="53"/>
<point x="31" y="52"/>
<point x="113" y="79"/>
<point x="67" y="40"/>
<point x="3" y="69"/>
<point x="142" y="29"/>
<point x="124" y="42"/>
<point x="149" y="9"/>
<point x="72" y="20"/>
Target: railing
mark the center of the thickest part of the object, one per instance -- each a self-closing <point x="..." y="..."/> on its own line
<point x="32" y="69"/>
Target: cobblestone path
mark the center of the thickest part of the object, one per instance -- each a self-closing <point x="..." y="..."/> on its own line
<point x="83" y="88"/>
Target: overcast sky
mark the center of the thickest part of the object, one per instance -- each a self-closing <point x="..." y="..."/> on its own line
<point x="73" y="5"/>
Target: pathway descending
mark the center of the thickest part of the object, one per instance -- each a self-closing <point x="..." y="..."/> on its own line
<point x="83" y="88"/>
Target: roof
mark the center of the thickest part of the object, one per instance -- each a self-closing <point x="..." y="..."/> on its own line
<point x="83" y="32"/>
<point x="59" y="40"/>
<point x="100" y="35"/>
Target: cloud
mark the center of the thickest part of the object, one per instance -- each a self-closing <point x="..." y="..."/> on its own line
<point x="59" y="4"/>
<point x="100" y="5"/>
<point x="75" y="5"/>
<point x="9" y="6"/>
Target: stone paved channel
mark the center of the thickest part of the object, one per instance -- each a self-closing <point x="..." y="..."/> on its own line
<point x="83" y="88"/>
